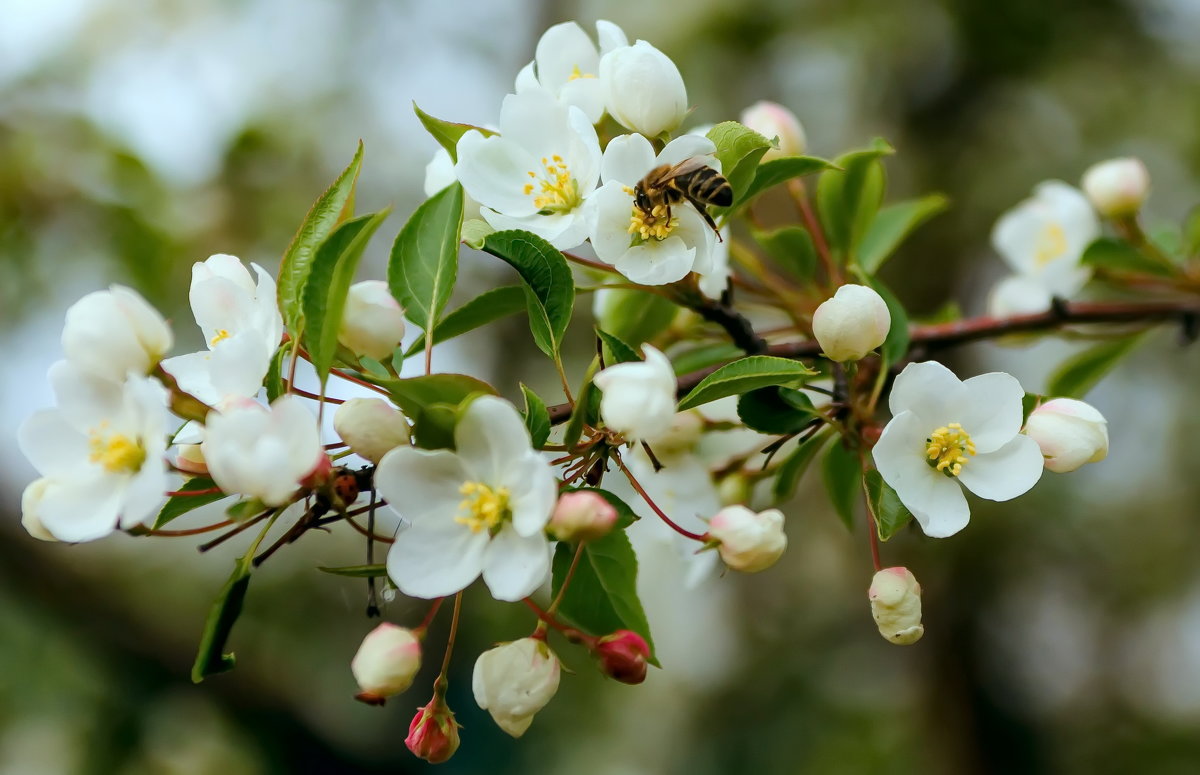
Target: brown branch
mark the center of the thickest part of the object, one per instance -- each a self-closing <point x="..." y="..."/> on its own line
<point x="926" y="339"/>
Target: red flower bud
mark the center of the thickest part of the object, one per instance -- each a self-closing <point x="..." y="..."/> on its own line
<point x="623" y="656"/>
<point x="433" y="733"/>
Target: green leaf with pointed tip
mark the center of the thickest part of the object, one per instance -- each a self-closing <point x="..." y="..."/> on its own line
<point x="704" y="356"/>
<point x="485" y="308"/>
<point x="356" y="571"/>
<point x="890" y="514"/>
<point x="551" y="288"/>
<point x="842" y="474"/>
<point x="775" y="171"/>
<point x="1082" y="371"/>
<point x="537" y="418"/>
<point x="411" y="394"/>
<point x="792" y="248"/>
<point x="178" y="505"/>
<point x="323" y="299"/>
<point x="766" y="411"/>
<point x="892" y="225"/>
<point x="1119" y="256"/>
<point x="447" y="133"/>
<point x="274" y="379"/>
<point x="739" y="150"/>
<point x="424" y="261"/>
<point x="745" y="374"/>
<point x="787" y="476"/>
<point x="615" y="350"/>
<point x="895" y="346"/>
<point x="602" y="596"/>
<point x="328" y="211"/>
<point x="849" y="197"/>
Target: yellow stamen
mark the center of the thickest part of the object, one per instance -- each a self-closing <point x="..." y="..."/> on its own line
<point x="486" y="506"/>
<point x="1051" y="243"/>
<point x="559" y="193"/>
<point x="948" y="449"/>
<point x="576" y="74"/>
<point x="116" y="452"/>
<point x="220" y="336"/>
<point x="652" y="226"/>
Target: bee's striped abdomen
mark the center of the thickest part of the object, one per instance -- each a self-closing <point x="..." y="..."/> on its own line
<point x="709" y="186"/>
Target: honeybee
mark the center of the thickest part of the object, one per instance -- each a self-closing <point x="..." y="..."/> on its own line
<point x="691" y="179"/>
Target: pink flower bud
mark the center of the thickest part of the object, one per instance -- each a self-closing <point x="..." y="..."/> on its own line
<point x="623" y="656"/>
<point x="190" y="460"/>
<point x="1070" y="434"/>
<point x="748" y="542"/>
<point x="433" y="733"/>
<point x="896" y="605"/>
<point x="582" y="516"/>
<point x="770" y="119"/>
<point x="1117" y="187"/>
<point x="386" y="663"/>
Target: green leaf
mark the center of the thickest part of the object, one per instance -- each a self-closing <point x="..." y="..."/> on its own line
<point x="412" y="394"/>
<point x="766" y="411"/>
<point x="895" y="346"/>
<point x="635" y="317"/>
<point x="178" y="505"/>
<point x="274" y="378"/>
<point x="551" y="296"/>
<point x="616" y="351"/>
<point x="1029" y="402"/>
<point x="447" y="133"/>
<point x="579" y="414"/>
<point x="424" y="261"/>
<point x="842" y="474"/>
<point x="1080" y="373"/>
<point x="323" y="298"/>
<point x="704" y="356"/>
<point x="433" y="426"/>
<point x="848" y="198"/>
<point x="792" y="248"/>
<point x="892" y="225"/>
<point x="602" y="596"/>
<point x="356" y="571"/>
<point x="485" y="308"/>
<point x="243" y="510"/>
<point x="739" y="150"/>
<point x="787" y="476"/>
<point x="475" y="232"/>
<point x="330" y="209"/>
<point x="1191" y="233"/>
<point x="890" y="514"/>
<point x="746" y="374"/>
<point x="1119" y="256"/>
<point x="537" y="419"/>
<point x="776" y="171"/>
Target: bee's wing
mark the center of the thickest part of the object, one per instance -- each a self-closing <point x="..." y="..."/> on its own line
<point x="686" y="167"/>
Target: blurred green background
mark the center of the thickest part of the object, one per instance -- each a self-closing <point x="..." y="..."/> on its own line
<point x="1063" y="629"/>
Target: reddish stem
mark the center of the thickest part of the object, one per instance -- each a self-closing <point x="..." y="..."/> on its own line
<point x="642" y="492"/>
<point x="193" y="531"/>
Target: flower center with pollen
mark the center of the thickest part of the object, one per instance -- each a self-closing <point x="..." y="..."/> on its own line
<point x="486" y="507"/>
<point x="576" y="74"/>
<point x="1051" y="243"/>
<point x="555" y="191"/>
<point x="948" y="448"/>
<point x="115" y="452"/>
<point x="653" y="225"/>
<point x="219" y="337"/>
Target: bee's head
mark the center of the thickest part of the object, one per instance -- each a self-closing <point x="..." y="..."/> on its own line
<point x="641" y="200"/>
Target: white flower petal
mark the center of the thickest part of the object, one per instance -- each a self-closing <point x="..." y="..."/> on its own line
<point x="436" y="557"/>
<point x="627" y="159"/>
<point x="1006" y="473"/>
<point x="53" y="446"/>
<point x="494" y="171"/>
<point x="657" y="262"/>
<point x="144" y="495"/>
<point x="535" y="122"/>
<point x="84" y="508"/>
<point x="222" y="306"/>
<point x="612" y="212"/>
<point x="1019" y="295"/>
<point x="490" y="439"/>
<point x="237" y="365"/>
<point x="934" y="499"/>
<point x="515" y="566"/>
<point x="610" y="36"/>
<point x="84" y="399"/>
<point x="563" y="51"/>
<point x="993" y="410"/>
<point x="562" y="230"/>
<point x="929" y="390"/>
<point x="526" y="80"/>
<point x="587" y="94"/>
<point x="685" y="147"/>
<point x="421" y="484"/>
<point x="533" y="491"/>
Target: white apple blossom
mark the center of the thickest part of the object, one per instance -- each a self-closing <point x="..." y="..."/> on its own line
<point x="371" y="427"/>
<point x="259" y="452"/>
<point x="644" y="91"/>
<point x="513" y="681"/>
<point x="372" y="322"/>
<point x="101" y="451"/>
<point x="113" y="333"/>
<point x="479" y="509"/>
<point x="537" y="172"/>
<point x="945" y="432"/>
<point x="1070" y="434"/>
<point x="895" y="599"/>
<point x="386" y="662"/>
<point x="241" y="323"/>
<point x="1117" y="187"/>
<point x="772" y="120"/>
<point x="638" y="398"/>
<point x="749" y="542"/>
<point x="567" y="64"/>
<point x="1042" y="239"/>
<point x="852" y="323"/>
<point x="644" y="248"/>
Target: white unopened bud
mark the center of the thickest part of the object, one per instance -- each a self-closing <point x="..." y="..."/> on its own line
<point x="582" y="516"/>
<point x="644" y="91"/>
<point x="189" y="458"/>
<point x="373" y="322"/>
<point x="371" y="426"/>
<point x="749" y="542"/>
<point x="638" y="398"/>
<point x="1117" y="187"/>
<point x="514" y="681"/>
<point x="112" y="333"/>
<point x="1070" y="434"/>
<point x="770" y="119"/>
<point x="852" y="323"/>
<point x="896" y="605"/>
<point x="31" y="519"/>
<point x="386" y="663"/>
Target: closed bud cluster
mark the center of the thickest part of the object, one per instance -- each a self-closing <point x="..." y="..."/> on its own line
<point x="371" y="427"/>
<point x="433" y="733"/>
<point x="1070" y="434"/>
<point x="623" y="656"/>
<point x="1117" y="187"/>
<point x="582" y="516"/>
<point x="896" y="605"/>
<point x="514" y="681"/>
<point x="644" y="90"/>
<point x="852" y="323"/>
<point x="386" y="663"/>
<point x="772" y="120"/>
<point x="373" y="322"/>
<point x="749" y="541"/>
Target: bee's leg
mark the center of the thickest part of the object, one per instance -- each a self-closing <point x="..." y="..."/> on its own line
<point x="708" y="219"/>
